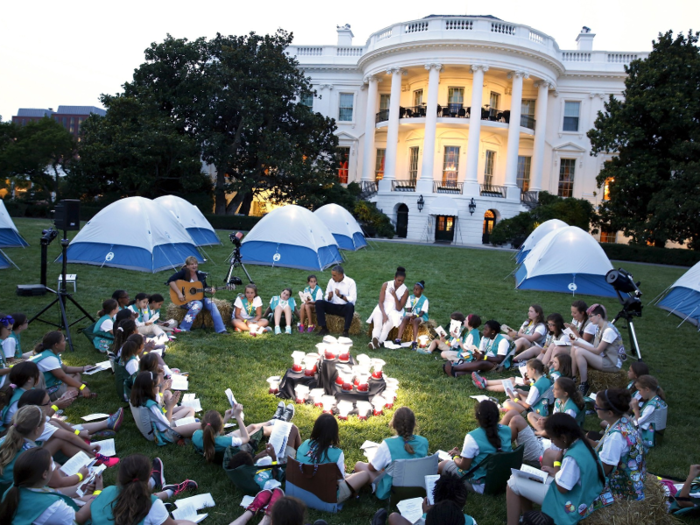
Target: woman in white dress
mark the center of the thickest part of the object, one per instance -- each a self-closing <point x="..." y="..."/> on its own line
<point x="388" y="313"/>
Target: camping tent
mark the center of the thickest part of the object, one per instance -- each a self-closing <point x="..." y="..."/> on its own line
<point x="9" y="236"/>
<point x="135" y="234"/>
<point x="343" y="226"/>
<point x="192" y="219"/>
<point x="567" y="260"/>
<point x="293" y="237"/>
<point x="683" y="299"/>
<point x="537" y="234"/>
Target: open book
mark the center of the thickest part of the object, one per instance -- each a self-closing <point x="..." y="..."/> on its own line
<point x="528" y="472"/>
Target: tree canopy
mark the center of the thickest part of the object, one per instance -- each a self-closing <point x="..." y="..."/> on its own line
<point x="653" y="136"/>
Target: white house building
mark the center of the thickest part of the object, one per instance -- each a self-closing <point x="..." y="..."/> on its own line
<point x="451" y="123"/>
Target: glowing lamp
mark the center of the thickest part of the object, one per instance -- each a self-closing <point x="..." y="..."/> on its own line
<point x="378" y="403"/>
<point x="298" y="357"/>
<point x="316" y="394"/>
<point x="301" y="391"/>
<point x="344" y="407"/>
<point x="274" y="383"/>
<point x="377" y="365"/>
<point x="328" y="402"/>
<point x="363" y="409"/>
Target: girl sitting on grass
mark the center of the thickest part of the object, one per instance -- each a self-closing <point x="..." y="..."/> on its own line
<point x="308" y="307"/>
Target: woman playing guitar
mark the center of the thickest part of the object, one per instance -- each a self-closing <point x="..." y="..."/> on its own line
<point x="189" y="273"/>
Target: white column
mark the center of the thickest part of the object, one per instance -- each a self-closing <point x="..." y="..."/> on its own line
<point x="370" y="117"/>
<point x="471" y="180"/>
<point x="392" y="134"/>
<point x="425" y="183"/>
<point x="540" y="134"/>
<point x="516" y="101"/>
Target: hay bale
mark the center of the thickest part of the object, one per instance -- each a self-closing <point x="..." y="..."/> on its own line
<point x="652" y="509"/>
<point x="425" y="328"/>
<point x="602" y="380"/>
<point x="336" y="323"/>
<point x="178" y="313"/>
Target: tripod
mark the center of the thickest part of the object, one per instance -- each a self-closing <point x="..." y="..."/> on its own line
<point x="61" y="295"/>
<point x="236" y="261"/>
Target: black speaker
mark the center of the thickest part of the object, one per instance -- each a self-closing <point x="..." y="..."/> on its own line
<point x="67" y="215"/>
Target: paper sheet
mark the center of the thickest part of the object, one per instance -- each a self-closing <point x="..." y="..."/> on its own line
<point x="279" y="436"/>
<point x="74" y="464"/>
<point x="107" y="447"/>
<point x="99" y="367"/>
<point x="411" y="509"/>
<point x="430" y="481"/>
<point x="185" y="421"/>
<point x="94" y="417"/>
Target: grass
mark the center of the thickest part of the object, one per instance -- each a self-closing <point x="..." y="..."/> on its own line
<point x="456" y="279"/>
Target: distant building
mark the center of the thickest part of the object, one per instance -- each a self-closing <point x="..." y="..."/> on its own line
<point x="70" y="117"/>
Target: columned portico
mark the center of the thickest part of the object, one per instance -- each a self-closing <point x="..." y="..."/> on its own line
<point x="369" y="153"/>
<point x="425" y="183"/>
<point x="541" y="125"/>
<point x="392" y="135"/>
<point x="513" y="192"/>
<point x="471" y="180"/>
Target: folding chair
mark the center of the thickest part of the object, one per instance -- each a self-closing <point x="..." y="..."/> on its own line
<point x="315" y="485"/>
<point x="498" y="467"/>
<point x="408" y="477"/>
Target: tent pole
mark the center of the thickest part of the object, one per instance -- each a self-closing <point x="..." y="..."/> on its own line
<point x="9" y="260"/>
<point x="687" y="316"/>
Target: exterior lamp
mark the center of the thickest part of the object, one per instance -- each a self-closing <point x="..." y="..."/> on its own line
<point x="472" y="206"/>
<point x="421" y="203"/>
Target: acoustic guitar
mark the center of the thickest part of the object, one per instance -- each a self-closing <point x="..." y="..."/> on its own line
<point x="194" y="291"/>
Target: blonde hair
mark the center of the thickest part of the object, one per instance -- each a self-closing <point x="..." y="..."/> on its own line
<point x="25" y="421"/>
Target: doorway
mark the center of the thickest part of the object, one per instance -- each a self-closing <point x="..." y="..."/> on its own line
<point x="445" y="228"/>
<point x="489" y="222"/>
<point x="402" y="221"/>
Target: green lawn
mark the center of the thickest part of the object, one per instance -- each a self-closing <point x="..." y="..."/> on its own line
<point x="456" y="279"/>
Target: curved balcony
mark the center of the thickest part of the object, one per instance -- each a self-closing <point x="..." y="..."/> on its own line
<point x="456" y="111"/>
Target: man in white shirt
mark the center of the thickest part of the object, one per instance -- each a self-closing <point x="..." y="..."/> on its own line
<point x="341" y="294"/>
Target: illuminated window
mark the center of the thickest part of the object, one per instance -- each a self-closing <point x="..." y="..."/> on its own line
<point x="606" y="188"/>
<point x="344" y="154"/>
<point x="379" y="164"/>
<point x="567" y="167"/>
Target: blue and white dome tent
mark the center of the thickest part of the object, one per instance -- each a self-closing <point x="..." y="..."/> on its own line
<point x="346" y="230"/>
<point x="9" y="235"/>
<point x="683" y="299"/>
<point x="292" y="237"/>
<point x="199" y="228"/>
<point x="133" y="233"/>
<point x="567" y="260"/>
<point x="538" y="233"/>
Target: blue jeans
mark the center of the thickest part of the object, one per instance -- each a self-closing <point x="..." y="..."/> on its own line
<point x="193" y="309"/>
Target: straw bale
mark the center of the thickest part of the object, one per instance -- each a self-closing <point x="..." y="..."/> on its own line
<point x="225" y="309"/>
<point x="336" y="323"/>
<point x="602" y="380"/>
<point x="652" y="509"/>
<point x="425" y="328"/>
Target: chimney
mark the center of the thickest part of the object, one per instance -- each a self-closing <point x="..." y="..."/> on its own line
<point x="584" y="41"/>
<point x="344" y="35"/>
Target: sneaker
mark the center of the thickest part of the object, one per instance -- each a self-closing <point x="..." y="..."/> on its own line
<point x="115" y="420"/>
<point x="277" y="330"/>
<point x="102" y="434"/>
<point x="288" y="413"/>
<point x="276" y="494"/>
<point x="301" y="328"/>
<point x="188" y="484"/>
<point x="157" y="475"/>
<point x="280" y="410"/>
<point x="310" y="328"/>
<point x="479" y="382"/>
<point x="323" y="331"/>
<point x="397" y="341"/>
<point x="260" y="501"/>
<point x="288" y="330"/>
<point x="106" y="461"/>
<point x="379" y="517"/>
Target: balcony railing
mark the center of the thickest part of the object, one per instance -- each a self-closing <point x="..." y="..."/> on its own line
<point x="448" y="186"/>
<point x="489" y="190"/>
<point x="403" y="185"/>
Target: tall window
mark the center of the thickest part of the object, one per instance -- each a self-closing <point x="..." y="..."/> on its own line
<point x="345" y="110"/>
<point x="344" y="154"/>
<point x="572" y="111"/>
<point x="307" y="99"/>
<point x="413" y="164"/>
<point x="379" y="164"/>
<point x="488" y="167"/>
<point x="567" y="168"/>
<point x="494" y="100"/>
<point x="384" y="101"/>
<point x="524" y="173"/>
<point x="418" y="97"/>
<point x="450" y="166"/>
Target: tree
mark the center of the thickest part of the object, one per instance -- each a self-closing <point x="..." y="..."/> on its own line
<point x="238" y="97"/>
<point x="137" y="150"/>
<point x="653" y="133"/>
<point x="27" y="151"/>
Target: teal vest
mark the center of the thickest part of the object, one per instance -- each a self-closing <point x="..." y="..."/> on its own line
<point x="18" y="346"/>
<point x="486" y="449"/>
<point x="13" y="400"/>
<point x="33" y="503"/>
<point x="648" y="434"/>
<point x="570" y="507"/>
<point x="50" y="379"/>
<point x="397" y="451"/>
<point x="101" y="508"/>
<point x="414" y="306"/>
<point x="541" y="407"/>
<point x="332" y="454"/>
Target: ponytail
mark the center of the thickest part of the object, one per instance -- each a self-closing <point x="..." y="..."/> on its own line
<point x="211" y="425"/>
<point x="404" y="423"/>
<point x="134" y="500"/>
<point x="29" y="470"/>
<point x="487" y="415"/>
